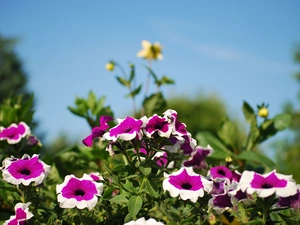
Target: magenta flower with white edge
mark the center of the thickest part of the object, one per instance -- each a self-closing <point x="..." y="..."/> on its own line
<point x="22" y="214"/>
<point x="143" y="221"/>
<point x="14" y="133"/>
<point x="267" y="184"/>
<point x="97" y="131"/>
<point x="127" y="129"/>
<point x="220" y="172"/>
<point x="162" y="159"/>
<point x="186" y="184"/>
<point x="188" y="145"/>
<point x="198" y="156"/>
<point x="292" y="201"/>
<point x="159" y="125"/>
<point x="78" y="192"/>
<point x="178" y="127"/>
<point x="96" y="176"/>
<point x="25" y="170"/>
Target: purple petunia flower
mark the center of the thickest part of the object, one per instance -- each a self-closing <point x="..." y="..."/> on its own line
<point x="97" y="131"/>
<point x="127" y="129"/>
<point x="159" y="125"/>
<point x="179" y="128"/>
<point x="198" y="156"/>
<point x="220" y="172"/>
<point x="14" y="133"/>
<point x="292" y="201"/>
<point x="24" y="170"/>
<point x="96" y="176"/>
<point x="162" y="159"/>
<point x="78" y="192"/>
<point x="220" y="203"/>
<point x="188" y="144"/>
<point x="267" y="184"/>
<point x="187" y="184"/>
<point x="143" y="221"/>
<point x="22" y="214"/>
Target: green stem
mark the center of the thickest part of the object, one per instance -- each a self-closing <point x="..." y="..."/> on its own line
<point x="80" y="216"/>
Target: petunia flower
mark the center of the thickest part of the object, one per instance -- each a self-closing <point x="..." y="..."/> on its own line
<point x="198" y="156"/>
<point x="267" y="184"/>
<point x="78" y="192"/>
<point x="220" y="172"/>
<point x="150" y="51"/>
<point x="220" y="203"/>
<point x="292" y="201"/>
<point x="24" y="170"/>
<point x="179" y="128"/>
<point x="188" y="145"/>
<point x="159" y="125"/>
<point x="186" y="184"/>
<point x="14" y="133"/>
<point x="127" y="129"/>
<point x="96" y="176"/>
<point x="22" y="214"/>
<point x="97" y="131"/>
<point x="162" y="159"/>
<point x="143" y="221"/>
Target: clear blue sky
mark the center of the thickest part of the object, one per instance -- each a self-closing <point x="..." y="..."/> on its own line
<point x="240" y="50"/>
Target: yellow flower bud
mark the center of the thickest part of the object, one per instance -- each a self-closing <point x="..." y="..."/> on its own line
<point x="110" y="66"/>
<point x="263" y="112"/>
<point x="228" y="159"/>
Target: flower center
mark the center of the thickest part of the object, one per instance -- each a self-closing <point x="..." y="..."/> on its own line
<point x="79" y="192"/>
<point x="186" y="186"/>
<point x="25" y="172"/>
<point x="128" y="129"/>
<point x="266" y="185"/>
<point x="221" y="172"/>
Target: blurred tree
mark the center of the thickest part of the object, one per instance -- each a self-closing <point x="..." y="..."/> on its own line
<point x="12" y="75"/>
<point x="288" y="151"/>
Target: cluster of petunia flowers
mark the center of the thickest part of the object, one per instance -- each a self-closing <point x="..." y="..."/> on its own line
<point x="225" y="186"/>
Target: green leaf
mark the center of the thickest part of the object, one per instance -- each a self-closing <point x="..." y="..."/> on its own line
<point x="249" y="113"/>
<point x="108" y="193"/>
<point x="135" y="92"/>
<point x="12" y="189"/>
<point x="220" y="150"/>
<point x="145" y="170"/>
<point x="119" y="199"/>
<point x="134" y="205"/>
<point x="152" y="189"/>
<point x="76" y="111"/>
<point x="227" y="133"/>
<point x="154" y="103"/>
<point x="256" y="157"/>
<point x="91" y="101"/>
<point x="152" y="73"/>
<point x="132" y="73"/>
<point x="282" y="121"/>
<point x="165" y="80"/>
<point x="124" y="82"/>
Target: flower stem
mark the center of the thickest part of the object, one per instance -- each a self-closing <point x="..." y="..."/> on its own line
<point x="80" y="216"/>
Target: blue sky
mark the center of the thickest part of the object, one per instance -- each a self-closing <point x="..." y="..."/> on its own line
<point x="240" y="50"/>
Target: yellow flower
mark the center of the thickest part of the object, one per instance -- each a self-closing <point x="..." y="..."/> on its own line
<point x="110" y="66"/>
<point x="263" y="112"/>
<point x="150" y="51"/>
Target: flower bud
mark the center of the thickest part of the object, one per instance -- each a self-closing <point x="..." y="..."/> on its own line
<point x="110" y="66"/>
<point x="263" y="112"/>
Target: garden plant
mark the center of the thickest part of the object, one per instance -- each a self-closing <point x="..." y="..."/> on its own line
<point x="143" y="169"/>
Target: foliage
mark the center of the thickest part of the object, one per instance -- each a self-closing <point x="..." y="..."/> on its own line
<point x="139" y="163"/>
